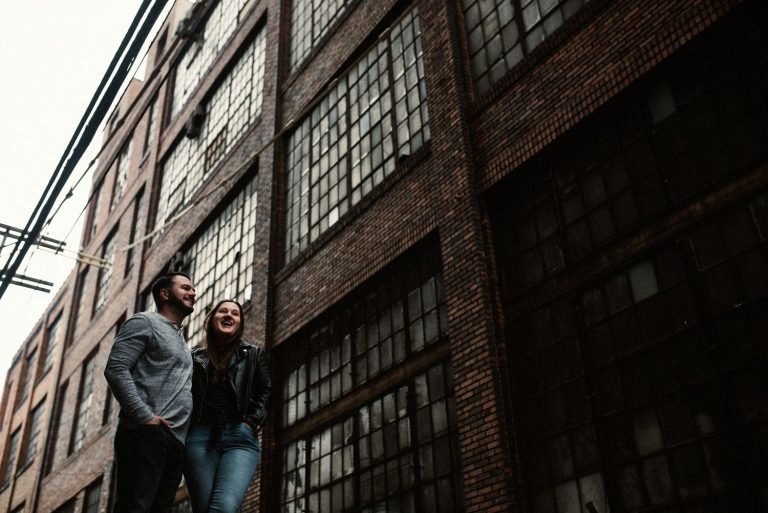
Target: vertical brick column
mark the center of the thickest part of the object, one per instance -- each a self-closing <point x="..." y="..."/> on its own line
<point x="480" y="404"/>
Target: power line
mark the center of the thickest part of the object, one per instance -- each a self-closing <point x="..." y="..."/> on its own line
<point x="86" y="129"/>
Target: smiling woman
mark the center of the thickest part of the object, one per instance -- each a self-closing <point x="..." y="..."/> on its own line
<point x="231" y="392"/>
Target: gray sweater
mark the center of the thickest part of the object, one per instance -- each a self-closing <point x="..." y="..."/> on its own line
<point x="150" y="372"/>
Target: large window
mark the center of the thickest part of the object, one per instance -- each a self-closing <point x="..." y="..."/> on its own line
<point x="387" y="439"/>
<point x="380" y="331"/>
<point x="30" y="372"/>
<point x="105" y="273"/>
<point x="396" y="453"/>
<point x="33" y="434"/>
<point x="84" y="403"/>
<point x="92" y="496"/>
<point x="220" y="259"/>
<point x="10" y="458"/>
<point x="207" y="44"/>
<point x="310" y="21"/>
<point x="353" y="139"/>
<point x="121" y="178"/>
<point x="138" y="207"/>
<point x="51" y="340"/>
<point x="503" y="32"/>
<point x="56" y="429"/>
<point x="234" y="105"/>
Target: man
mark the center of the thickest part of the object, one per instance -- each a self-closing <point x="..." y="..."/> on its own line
<point x="150" y="373"/>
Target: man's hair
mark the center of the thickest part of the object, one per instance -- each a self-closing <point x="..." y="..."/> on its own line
<point x="164" y="282"/>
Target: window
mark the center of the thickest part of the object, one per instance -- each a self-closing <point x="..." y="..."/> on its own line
<point x="106" y="414"/>
<point x="95" y="209"/>
<point x="92" y="496"/>
<point x="19" y="508"/>
<point x="399" y="451"/>
<point x="138" y="208"/>
<point x="310" y="21"/>
<point x="378" y="332"/>
<point x="67" y="507"/>
<point x="55" y="428"/>
<point x="84" y="403"/>
<point x="149" y="135"/>
<point x="10" y="458"/>
<point x="200" y="56"/>
<point x="220" y="259"/>
<point x="105" y="273"/>
<point x="30" y="371"/>
<point x="51" y="339"/>
<point x="234" y="105"/>
<point x="502" y="32"/>
<point x="33" y="434"/>
<point x="121" y="178"/>
<point x="6" y="401"/>
<point x="352" y="140"/>
<point x="82" y="279"/>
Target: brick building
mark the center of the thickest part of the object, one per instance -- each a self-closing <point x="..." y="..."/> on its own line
<point x="507" y="255"/>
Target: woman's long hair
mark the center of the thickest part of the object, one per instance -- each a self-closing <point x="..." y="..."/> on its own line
<point x="219" y="353"/>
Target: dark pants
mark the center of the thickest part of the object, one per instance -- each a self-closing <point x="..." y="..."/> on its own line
<point x="149" y="464"/>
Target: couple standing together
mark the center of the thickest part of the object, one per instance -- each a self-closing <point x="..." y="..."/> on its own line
<point x="196" y="412"/>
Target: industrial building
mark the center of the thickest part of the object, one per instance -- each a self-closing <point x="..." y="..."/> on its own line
<point x="506" y="255"/>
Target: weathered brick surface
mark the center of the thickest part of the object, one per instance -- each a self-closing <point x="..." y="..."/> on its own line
<point x="438" y="193"/>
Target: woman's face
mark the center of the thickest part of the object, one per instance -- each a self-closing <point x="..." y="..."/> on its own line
<point x="226" y="320"/>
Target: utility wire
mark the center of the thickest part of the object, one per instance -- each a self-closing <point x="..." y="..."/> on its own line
<point x="85" y="131"/>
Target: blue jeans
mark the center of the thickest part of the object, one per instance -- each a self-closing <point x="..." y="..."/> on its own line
<point x="218" y="477"/>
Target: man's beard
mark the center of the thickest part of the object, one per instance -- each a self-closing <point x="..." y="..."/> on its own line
<point x="179" y="303"/>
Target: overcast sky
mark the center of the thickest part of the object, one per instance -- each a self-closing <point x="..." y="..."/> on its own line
<point x="52" y="57"/>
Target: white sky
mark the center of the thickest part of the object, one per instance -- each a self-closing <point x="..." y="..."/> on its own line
<point x="52" y="57"/>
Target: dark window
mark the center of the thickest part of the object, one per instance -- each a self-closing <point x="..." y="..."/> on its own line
<point x="56" y="428"/>
<point x="138" y="207"/>
<point x="34" y="425"/>
<point x="149" y="135"/>
<point x="502" y="32"/>
<point x="67" y="507"/>
<point x="79" y="306"/>
<point x="84" y="404"/>
<point x="398" y="452"/>
<point x="30" y="372"/>
<point x="12" y="449"/>
<point x="92" y="496"/>
<point x="122" y="164"/>
<point x="105" y="272"/>
<point x="51" y="341"/>
<point x="95" y="199"/>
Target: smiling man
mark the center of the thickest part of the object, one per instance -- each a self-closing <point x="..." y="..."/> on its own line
<point x="150" y="373"/>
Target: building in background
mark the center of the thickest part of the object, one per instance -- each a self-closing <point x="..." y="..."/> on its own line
<point x="507" y="255"/>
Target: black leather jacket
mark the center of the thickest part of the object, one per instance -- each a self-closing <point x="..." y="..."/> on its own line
<point x="248" y="376"/>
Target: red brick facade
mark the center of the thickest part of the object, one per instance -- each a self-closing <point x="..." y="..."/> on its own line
<point x="496" y="168"/>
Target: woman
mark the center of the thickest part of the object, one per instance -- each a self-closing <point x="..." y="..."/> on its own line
<point x="231" y="391"/>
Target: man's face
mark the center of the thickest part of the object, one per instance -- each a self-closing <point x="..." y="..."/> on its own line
<point x="181" y="294"/>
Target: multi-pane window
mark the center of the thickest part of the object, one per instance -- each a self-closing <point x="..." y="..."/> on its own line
<point x="67" y="507"/>
<point x="396" y="453"/>
<point x="377" y="333"/>
<point x="30" y="372"/>
<point x="80" y="302"/>
<point x="232" y="108"/>
<point x="92" y="496"/>
<point x="96" y="197"/>
<point x="10" y="458"/>
<point x="84" y="403"/>
<point x="138" y="207"/>
<point x="220" y="259"/>
<point x="352" y="140"/>
<point x="310" y="21"/>
<point x="149" y="135"/>
<point x="55" y="429"/>
<point x="121" y="178"/>
<point x="201" y="54"/>
<point x="105" y="273"/>
<point x="51" y="340"/>
<point x="33" y="434"/>
<point x="502" y="32"/>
